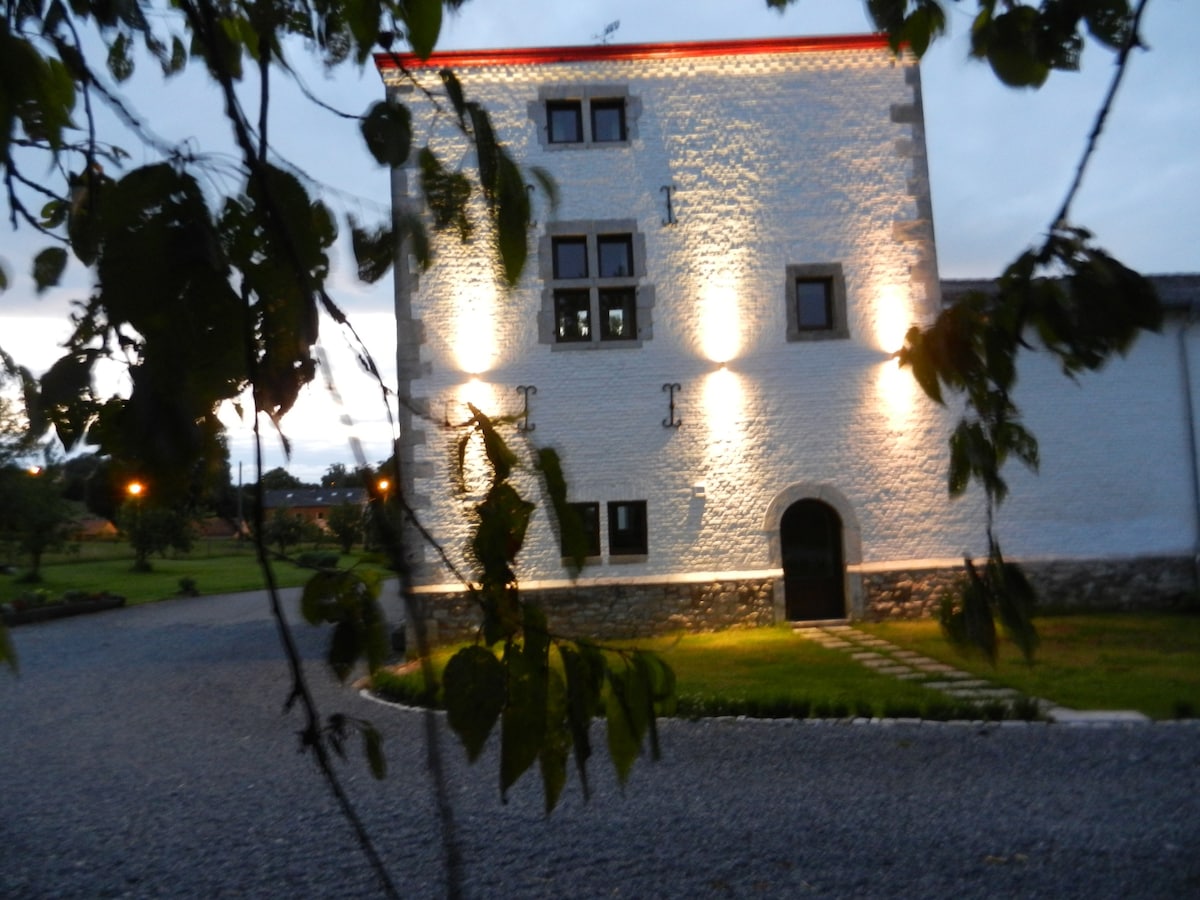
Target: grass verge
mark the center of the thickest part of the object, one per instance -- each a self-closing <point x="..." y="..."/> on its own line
<point x="1149" y="662"/>
<point x="213" y="574"/>
<point x="765" y="673"/>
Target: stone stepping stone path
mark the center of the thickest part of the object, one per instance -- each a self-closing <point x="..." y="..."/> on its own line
<point x="886" y="658"/>
<point x="906" y="665"/>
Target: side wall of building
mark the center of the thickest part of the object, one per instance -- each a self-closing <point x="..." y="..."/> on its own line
<point x="768" y="161"/>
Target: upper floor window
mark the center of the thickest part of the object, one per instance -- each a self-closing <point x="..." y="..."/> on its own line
<point x="595" y="285"/>
<point x="608" y="120"/>
<point x="564" y="121"/>
<point x="816" y="302"/>
<point x="578" y="116"/>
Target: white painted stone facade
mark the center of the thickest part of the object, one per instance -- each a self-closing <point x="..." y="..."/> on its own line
<point x="777" y="155"/>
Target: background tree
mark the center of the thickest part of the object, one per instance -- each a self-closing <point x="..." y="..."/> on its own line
<point x="152" y="528"/>
<point x="280" y="479"/>
<point x="284" y="530"/>
<point x="34" y="515"/>
<point x="345" y="523"/>
<point x="338" y="476"/>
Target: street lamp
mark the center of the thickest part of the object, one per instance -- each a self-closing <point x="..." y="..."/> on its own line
<point x="135" y="490"/>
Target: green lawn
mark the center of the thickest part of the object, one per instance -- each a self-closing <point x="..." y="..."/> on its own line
<point x="1148" y="662"/>
<point x="217" y="567"/>
<point x="767" y="672"/>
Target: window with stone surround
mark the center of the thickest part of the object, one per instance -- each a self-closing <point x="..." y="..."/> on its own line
<point x="594" y="285"/>
<point x="816" y="302"/>
<point x="579" y="116"/>
<point x="627" y="531"/>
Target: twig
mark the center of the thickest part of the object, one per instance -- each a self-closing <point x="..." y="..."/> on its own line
<point x="1131" y="41"/>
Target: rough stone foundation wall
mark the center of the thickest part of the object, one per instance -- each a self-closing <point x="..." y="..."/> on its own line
<point x="1161" y="583"/>
<point x="644" y="610"/>
<point x="620" y="610"/>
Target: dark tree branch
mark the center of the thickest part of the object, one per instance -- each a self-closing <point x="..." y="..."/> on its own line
<point x="1131" y="43"/>
<point x="203" y="20"/>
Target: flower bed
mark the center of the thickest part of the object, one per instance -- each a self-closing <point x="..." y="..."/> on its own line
<point x="38" y="606"/>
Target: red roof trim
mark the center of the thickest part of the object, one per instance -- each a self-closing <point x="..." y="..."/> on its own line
<point x="526" y="56"/>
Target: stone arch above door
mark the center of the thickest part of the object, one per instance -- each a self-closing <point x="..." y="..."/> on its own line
<point x="851" y="539"/>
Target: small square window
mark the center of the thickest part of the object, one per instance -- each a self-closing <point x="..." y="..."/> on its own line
<point x="627" y="528"/>
<point x="608" y="120"/>
<point x="564" y="119"/>
<point x="814" y="304"/>
<point x="572" y="316"/>
<point x="589" y="519"/>
<point x="618" y="315"/>
<point x="570" y="257"/>
<point x="615" y="253"/>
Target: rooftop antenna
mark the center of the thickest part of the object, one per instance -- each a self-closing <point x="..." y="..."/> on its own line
<point x="609" y="30"/>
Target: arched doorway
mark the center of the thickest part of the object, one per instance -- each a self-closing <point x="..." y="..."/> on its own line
<point x="810" y="542"/>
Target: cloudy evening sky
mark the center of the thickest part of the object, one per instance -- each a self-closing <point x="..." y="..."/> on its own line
<point x="1000" y="161"/>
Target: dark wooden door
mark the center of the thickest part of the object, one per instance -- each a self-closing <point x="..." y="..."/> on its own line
<point x="810" y="536"/>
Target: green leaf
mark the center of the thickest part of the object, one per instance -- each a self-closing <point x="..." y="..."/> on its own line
<point x="926" y="23"/>
<point x="1016" y="601"/>
<point x="410" y="227"/>
<point x="888" y="16"/>
<point x="584" y="670"/>
<point x="374" y="251"/>
<point x="373" y="748"/>
<point x="1011" y="47"/>
<point x="499" y="456"/>
<point x="55" y="213"/>
<point x="318" y="602"/>
<point x="511" y="216"/>
<point x="571" y="533"/>
<point x="523" y="722"/>
<point x="48" y="267"/>
<point x="120" y="59"/>
<point x="345" y="647"/>
<point x="455" y="92"/>
<point x="64" y="399"/>
<point x="959" y="474"/>
<point x="387" y="130"/>
<point x="1109" y="21"/>
<point x="178" y="60"/>
<point x="377" y="642"/>
<point x="424" y="21"/>
<point x="446" y="194"/>
<point x="623" y="740"/>
<point x="979" y="627"/>
<point x="557" y="746"/>
<point x="8" y="654"/>
<point x="473" y="685"/>
<point x="547" y="184"/>
<point x="3" y="278"/>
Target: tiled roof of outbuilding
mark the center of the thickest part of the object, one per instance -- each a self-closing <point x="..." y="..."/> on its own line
<point x="291" y="498"/>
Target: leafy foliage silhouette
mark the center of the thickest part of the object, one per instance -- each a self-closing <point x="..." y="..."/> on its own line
<point x="204" y="301"/>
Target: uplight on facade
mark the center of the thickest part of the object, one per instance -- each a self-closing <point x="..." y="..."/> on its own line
<point x="474" y="338"/>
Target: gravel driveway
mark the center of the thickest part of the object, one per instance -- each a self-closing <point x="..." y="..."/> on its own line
<point x="144" y="753"/>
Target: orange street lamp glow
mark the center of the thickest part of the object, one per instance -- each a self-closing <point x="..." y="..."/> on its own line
<point x="135" y="488"/>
